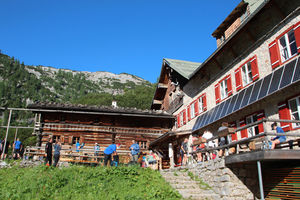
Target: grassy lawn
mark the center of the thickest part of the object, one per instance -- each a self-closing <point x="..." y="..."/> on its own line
<point x="81" y="182"/>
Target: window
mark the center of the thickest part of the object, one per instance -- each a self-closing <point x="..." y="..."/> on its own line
<point x="181" y="119"/>
<point x="246" y="73"/>
<point x="223" y="89"/>
<point x="62" y="118"/>
<point x="75" y="140"/>
<point x="56" y="138"/>
<point x="285" y="46"/>
<point x="244" y="16"/>
<point x="254" y="130"/>
<point x="196" y="107"/>
<point x="96" y="120"/>
<point x="294" y="105"/>
<point x="142" y="144"/>
<point x="193" y="110"/>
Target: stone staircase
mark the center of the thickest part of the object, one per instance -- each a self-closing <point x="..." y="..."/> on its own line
<point x="180" y="180"/>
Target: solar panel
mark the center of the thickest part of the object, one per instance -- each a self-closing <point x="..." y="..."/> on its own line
<point x="220" y="107"/>
<point x="265" y="86"/>
<point x="207" y="116"/>
<point x="297" y="72"/>
<point x="212" y="115"/>
<point x="275" y="80"/>
<point x="255" y="91"/>
<point x="197" y="123"/>
<point x="239" y="100"/>
<point x="202" y="119"/>
<point x="225" y="108"/>
<point x="287" y="74"/>
<point x="231" y="104"/>
<point x="247" y="96"/>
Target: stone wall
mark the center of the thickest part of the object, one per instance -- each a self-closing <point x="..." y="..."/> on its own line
<point x="233" y="182"/>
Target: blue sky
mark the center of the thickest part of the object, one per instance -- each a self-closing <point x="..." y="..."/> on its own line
<point x="117" y="36"/>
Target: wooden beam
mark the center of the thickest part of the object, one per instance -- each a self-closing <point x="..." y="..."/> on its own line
<point x="162" y="85"/>
<point x="274" y="4"/>
<point x="218" y="64"/>
<point x="250" y="35"/>
<point x="207" y="78"/>
<point x="157" y="102"/>
<point x="233" y="53"/>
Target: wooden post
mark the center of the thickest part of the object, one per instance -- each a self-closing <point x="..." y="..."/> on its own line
<point x="8" y="123"/>
<point x="16" y="134"/>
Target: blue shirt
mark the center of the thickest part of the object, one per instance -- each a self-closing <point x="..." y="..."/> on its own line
<point x="96" y="148"/>
<point x="279" y="130"/>
<point x="110" y="149"/>
<point x="135" y="150"/>
<point x="57" y="149"/>
<point x="77" y="146"/>
<point x="17" y="144"/>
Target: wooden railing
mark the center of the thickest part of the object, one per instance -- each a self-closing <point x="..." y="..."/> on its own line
<point x="94" y="128"/>
<point x="244" y="144"/>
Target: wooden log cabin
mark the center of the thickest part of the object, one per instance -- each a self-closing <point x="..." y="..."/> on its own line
<point x="102" y="124"/>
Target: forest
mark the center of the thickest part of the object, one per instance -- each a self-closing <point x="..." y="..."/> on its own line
<point x="21" y="85"/>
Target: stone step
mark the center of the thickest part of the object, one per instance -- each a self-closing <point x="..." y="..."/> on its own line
<point x="186" y="178"/>
<point x="190" y="186"/>
<point x="189" y="191"/>
<point x="183" y="182"/>
<point x="200" y="196"/>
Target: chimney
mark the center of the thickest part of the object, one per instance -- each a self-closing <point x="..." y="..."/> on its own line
<point x="114" y="102"/>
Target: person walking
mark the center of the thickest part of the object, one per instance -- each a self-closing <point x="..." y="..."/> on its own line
<point x="57" y="148"/>
<point x="48" y="152"/>
<point x="184" y="151"/>
<point x="135" y="150"/>
<point x="109" y="151"/>
<point x="17" y="146"/>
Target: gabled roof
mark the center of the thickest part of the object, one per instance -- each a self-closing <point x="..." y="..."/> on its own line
<point x="184" y="68"/>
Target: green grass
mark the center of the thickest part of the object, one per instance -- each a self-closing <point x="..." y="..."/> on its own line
<point x="81" y="182"/>
<point x="196" y="178"/>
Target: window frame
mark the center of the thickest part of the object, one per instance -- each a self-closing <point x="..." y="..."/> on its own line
<point x="294" y="125"/>
<point x="288" y="48"/>
<point x="218" y="94"/>
<point x="274" y="49"/>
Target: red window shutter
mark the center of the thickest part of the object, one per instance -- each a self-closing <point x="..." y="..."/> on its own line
<point x="184" y="117"/>
<point x="260" y="116"/>
<point x="189" y="112"/>
<point x="178" y="120"/>
<point x="204" y="103"/>
<point x="284" y="113"/>
<point x="254" y="68"/>
<point x="244" y="133"/>
<point x="238" y="79"/>
<point x="217" y="93"/>
<point x="233" y="136"/>
<point x="274" y="54"/>
<point x="196" y="107"/>
<point x="297" y="35"/>
<point x="229" y="85"/>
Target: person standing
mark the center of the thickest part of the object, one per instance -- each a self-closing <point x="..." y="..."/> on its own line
<point x="184" y="151"/>
<point x="17" y="146"/>
<point x="96" y="152"/>
<point x="5" y="148"/>
<point x="77" y="146"/>
<point x="277" y="139"/>
<point x="135" y="150"/>
<point x="108" y="151"/>
<point x="208" y="135"/>
<point x="57" y="148"/>
<point x="48" y="152"/>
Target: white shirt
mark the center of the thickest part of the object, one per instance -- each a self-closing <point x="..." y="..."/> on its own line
<point x="207" y="135"/>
